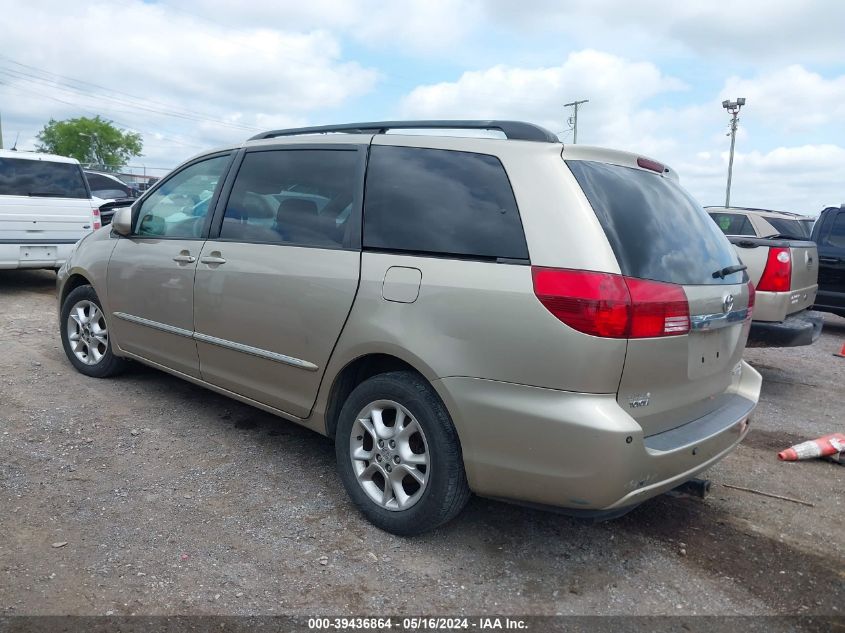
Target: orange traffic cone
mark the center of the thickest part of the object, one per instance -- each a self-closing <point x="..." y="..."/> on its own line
<point x="822" y="447"/>
<point x="841" y="353"/>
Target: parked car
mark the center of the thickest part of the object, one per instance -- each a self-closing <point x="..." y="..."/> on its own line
<point x="783" y="265"/>
<point x="45" y="208"/>
<point x="558" y="326"/>
<point x="829" y="234"/>
<point x="109" y="186"/>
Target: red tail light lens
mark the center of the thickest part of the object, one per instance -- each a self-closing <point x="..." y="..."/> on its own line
<point x="659" y="309"/>
<point x="593" y="303"/>
<point x="612" y="306"/>
<point x="777" y="275"/>
<point x="752" y="297"/>
<point x="97" y="223"/>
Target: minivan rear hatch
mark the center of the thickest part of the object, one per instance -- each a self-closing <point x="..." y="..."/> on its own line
<point x="659" y="233"/>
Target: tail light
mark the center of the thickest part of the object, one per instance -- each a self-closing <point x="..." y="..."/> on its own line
<point x="752" y="297"/>
<point x="97" y="221"/>
<point x="777" y="274"/>
<point x="612" y="306"/>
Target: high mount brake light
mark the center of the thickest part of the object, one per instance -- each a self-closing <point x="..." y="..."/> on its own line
<point x="653" y="165"/>
<point x="612" y="306"/>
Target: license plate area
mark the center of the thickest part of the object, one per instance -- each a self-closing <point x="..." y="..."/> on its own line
<point x="38" y="254"/>
<point x="712" y="351"/>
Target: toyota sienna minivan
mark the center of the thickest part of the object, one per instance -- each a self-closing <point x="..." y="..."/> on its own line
<point x="553" y="325"/>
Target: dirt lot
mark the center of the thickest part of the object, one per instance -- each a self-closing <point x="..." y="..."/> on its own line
<point x="174" y="500"/>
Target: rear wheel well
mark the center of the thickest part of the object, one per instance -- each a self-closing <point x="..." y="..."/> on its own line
<point x="73" y="282"/>
<point x="353" y="375"/>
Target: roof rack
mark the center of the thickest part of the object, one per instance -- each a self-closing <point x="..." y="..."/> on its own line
<point x="513" y="130"/>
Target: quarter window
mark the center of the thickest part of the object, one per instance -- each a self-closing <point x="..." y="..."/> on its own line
<point x="178" y="208"/>
<point x="441" y="202"/>
<point x="299" y="197"/>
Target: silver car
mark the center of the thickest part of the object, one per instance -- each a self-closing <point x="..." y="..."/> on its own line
<point x="557" y="326"/>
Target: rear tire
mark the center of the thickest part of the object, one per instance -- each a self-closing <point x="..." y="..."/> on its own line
<point x="85" y="335"/>
<point x="398" y="454"/>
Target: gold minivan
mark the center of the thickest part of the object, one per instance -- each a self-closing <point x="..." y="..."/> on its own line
<point x="554" y="325"/>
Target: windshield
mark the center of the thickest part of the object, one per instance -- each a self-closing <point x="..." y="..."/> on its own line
<point x="656" y="229"/>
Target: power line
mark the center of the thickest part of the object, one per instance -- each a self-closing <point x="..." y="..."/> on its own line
<point x="62" y="82"/>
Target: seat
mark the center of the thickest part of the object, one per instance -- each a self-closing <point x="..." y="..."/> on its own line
<point x="299" y="222"/>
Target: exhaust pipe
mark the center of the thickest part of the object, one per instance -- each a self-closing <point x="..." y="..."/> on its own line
<point x="695" y="487"/>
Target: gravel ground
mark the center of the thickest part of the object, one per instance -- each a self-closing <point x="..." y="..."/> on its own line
<point x="147" y="495"/>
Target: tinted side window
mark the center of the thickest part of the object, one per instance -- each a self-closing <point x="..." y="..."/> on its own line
<point x="298" y="197"/>
<point x="441" y="202"/>
<point x="105" y="187"/>
<point x="179" y="206"/>
<point x="733" y="223"/>
<point x="655" y="228"/>
<point x="791" y="229"/>
<point x="836" y="236"/>
<point x="23" y="177"/>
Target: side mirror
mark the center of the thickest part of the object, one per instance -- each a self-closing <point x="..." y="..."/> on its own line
<point x="122" y="221"/>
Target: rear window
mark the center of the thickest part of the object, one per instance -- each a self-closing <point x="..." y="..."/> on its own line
<point x="23" y="177"/>
<point x="790" y="229"/>
<point x="656" y="229"/>
<point x="733" y="223"/>
<point x="441" y="202"/>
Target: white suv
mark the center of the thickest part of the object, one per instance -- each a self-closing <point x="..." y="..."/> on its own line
<point x="45" y="208"/>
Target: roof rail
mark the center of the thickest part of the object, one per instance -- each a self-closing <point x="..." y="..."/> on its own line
<point x="513" y="130"/>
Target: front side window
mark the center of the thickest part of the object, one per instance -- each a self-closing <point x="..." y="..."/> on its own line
<point x="836" y="235"/>
<point x="41" y="179"/>
<point x="178" y="208"/>
<point x="441" y="202"/>
<point x="299" y="197"/>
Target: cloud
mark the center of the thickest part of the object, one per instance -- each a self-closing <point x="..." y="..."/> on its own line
<point x="223" y="83"/>
<point x="748" y="31"/>
<point x="792" y="98"/>
<point x="614" y="86"/>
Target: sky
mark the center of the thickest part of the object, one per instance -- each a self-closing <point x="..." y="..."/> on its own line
<point x="195" y="74"/>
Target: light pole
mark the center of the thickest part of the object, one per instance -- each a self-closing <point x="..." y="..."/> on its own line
<point x="733" y="108"/>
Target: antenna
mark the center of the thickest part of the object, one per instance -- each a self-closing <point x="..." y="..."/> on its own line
<point x="15" y="146"/>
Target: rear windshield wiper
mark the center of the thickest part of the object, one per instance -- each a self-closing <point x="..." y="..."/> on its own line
<point x="729" y="270"/>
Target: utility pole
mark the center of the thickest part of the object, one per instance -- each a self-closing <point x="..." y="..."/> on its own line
<point x="733" y="108"/>
<point x="573" y="120"/>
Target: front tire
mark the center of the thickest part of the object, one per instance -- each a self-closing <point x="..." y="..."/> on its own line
<point x="85" y="335"/>
<point x="398" y="454"/>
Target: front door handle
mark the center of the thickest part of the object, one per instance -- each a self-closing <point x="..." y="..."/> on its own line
<point x="214" y="258"/>
<point x="184" y="257"/>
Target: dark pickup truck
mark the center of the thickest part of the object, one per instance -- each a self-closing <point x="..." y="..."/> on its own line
<point x="829" y="235"/>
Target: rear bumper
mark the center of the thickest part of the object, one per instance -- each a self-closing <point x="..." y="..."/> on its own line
<point x="583" y="451"/>
<point x="801" y="328"/>
<point x="35" y="255"/>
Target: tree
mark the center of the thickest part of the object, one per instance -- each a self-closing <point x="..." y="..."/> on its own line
<point x="91" y="141"/>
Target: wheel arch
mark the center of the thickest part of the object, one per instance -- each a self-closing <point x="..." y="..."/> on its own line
<point x="353" y="374"/>
<point x="74" y="281"/>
